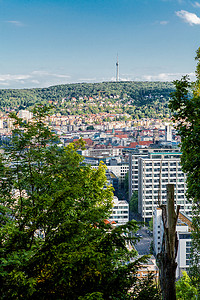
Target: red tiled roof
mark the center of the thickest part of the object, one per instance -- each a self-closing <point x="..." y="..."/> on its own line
<point x="133" y="144"/>
<point x="88" y="141"/>
<point x="120" y="147"/>
<point x="145" y="143"/>
<point x="141" y="143"/>
<point x="122" y="136"/>
<point x="108" y="222"/>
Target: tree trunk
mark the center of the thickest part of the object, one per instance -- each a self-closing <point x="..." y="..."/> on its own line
<point x="167" y="257"/>
<point x="167" y="274"/>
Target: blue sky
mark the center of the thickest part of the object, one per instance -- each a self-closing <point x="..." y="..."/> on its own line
<point x="49" y="42"/>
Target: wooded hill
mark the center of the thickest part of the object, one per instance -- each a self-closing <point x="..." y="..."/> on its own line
<point x="138" y="99"/>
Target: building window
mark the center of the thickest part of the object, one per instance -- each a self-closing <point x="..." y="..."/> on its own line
<point x="185" y="236"/>
<point x="188" y="244"/>
<point x="187" y="262"/>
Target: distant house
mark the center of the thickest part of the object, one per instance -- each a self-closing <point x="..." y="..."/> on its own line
<point x="149" y="267"/>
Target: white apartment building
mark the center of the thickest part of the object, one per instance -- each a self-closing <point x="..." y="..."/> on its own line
<point x="133" y="169"/>
<point x="168" y="132"/>
<point x="1" y="123"/>
<point x="167" y="167"/>
<point x="183" y="228"/>
<point x="102" y="152"/>
<point x="120" y="211"/>
<point x="133" y="164"/>
<point x="157" y="230"/>
<point x="25" y="114"/>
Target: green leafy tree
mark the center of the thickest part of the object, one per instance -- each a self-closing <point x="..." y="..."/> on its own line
<point x="184" y="288"/>
<point x="91" y="127"/>
<point x="185" y="106"/>
<point x="54" y="241"/>
<point x="134" y="202"/>
<point x="151" y="224"/>
<point x="125" y="183"/>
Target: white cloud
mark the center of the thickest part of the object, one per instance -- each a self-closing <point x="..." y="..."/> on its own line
<point x="41" y="79"/>
<point x="188" y="17"/>
<point x="3" y="84"/>
<point x="45" y="73"/>
<point x="196" y="4"/>
<point x="33" y="79"/>
<point x="154" y="77"/>
<point x="40" y="73"/>
<point x="9" y="77"/>
<point x="16" y="23"/>
<point x="87" y="79"/>
<point x="60" y="75"/>
<point x="167" y="76"/>
<point x="164" y="22"/>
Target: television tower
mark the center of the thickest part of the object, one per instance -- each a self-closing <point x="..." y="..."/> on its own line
<point x="117" y="69"/>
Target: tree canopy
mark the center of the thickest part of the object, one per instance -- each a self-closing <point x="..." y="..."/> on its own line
<point x="185" y="106"/>
<point x="55" y="242"/>
<point x="137" y="99"/>
<point x="185" y="289"/>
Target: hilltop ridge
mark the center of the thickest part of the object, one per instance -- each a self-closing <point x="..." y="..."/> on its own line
<point x="137" y="99"/>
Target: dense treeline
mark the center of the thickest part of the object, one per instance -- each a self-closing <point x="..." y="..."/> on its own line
<point x="138" y="99"/>
<point x="55" y="238"/>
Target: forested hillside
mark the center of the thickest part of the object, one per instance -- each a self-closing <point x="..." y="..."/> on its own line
<point x="138" y="99"/>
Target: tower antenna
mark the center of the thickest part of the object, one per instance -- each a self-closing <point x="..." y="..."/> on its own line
<point x="117" y="69"/>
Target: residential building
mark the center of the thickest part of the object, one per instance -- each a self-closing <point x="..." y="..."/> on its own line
<point x="154" y="173"/>
<point x="149" y="267"/>
<point x="120" y="211"/>
<point x="168" y="133"/>
<point x="133" y="169"/>
<point x="102" y="151"/>
<point x="1" y="123"/>
<point x="133" y="162"/>
<point x="25" y="114"/>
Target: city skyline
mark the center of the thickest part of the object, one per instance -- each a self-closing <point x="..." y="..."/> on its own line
<point x="58" y="42"/>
